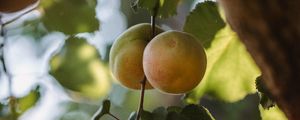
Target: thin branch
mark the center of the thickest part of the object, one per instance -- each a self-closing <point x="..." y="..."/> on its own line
<point x="143" y="82"/>
<point x="141" y="105"/>
<point x="113" y="116"/>
<point x="14" y="19"/>
<point x="12" y="99"/>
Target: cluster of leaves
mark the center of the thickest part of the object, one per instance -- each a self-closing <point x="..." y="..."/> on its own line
<point x="189" y="112"/>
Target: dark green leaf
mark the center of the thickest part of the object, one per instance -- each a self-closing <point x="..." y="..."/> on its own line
<point x="164" y="8"/>
<point x="145" y="115"/>
<point x="176" y="109"/>
<point x="204" y="22"/>
<point x="104" y="109"/>
<point x="245" y="108"/>
<point x="1" y="106"/>
<point x="70" y="16"/>
<point x="148" y="4"/>
<point x="160" y="113"/>
<point x="168" y="8"/>
<point x="196" y="112"/>
<point x="175" y="116"/>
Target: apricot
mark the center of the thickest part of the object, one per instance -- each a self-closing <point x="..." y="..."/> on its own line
<point x="126" y="55"/>
<point x="14" y="5"/>
<point x="174" y="62"/>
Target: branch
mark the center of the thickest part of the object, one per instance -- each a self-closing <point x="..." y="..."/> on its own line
<point x="143" y="82"/>
<point x="12" y="99"/>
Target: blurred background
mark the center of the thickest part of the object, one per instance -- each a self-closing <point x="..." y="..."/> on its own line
<point x="56" y="61"/>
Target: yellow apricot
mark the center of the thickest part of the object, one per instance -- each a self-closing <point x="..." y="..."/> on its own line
<point x="126" y="55"/>
<point x="174" y="62"/>
<point x="15" y="5"/>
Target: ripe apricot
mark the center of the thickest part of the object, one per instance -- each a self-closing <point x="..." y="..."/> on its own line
<point x="174" y="62"/>
<point x="126" y="55"/>
<point x="14" y="5"/>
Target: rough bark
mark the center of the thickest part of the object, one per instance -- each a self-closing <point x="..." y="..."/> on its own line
<point x="270" y="29"/>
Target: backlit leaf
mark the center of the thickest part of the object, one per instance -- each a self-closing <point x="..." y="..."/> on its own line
<point x="204" y="22"/>
<point x="273" y="113"/>
<point x="230" y="73"/>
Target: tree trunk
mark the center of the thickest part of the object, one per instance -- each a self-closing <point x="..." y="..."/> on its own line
<point x="270" y="29"/>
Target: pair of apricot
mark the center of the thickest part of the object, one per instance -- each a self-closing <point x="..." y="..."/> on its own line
<point x="173" y="62"/>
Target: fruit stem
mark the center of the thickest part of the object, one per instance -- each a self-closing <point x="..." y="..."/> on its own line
<point x="141" y="107"/>
<point x="143" y="82"/>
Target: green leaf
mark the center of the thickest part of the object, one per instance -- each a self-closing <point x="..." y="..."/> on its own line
<point x="204" y="22"/>
<point x="160" y="113"/>
<point x="273" y="113"/>
<point x="146" y="115"/>
<point x="29" y="100"/>
<point x="104" y="109"/>
<point x="189" y="112"/>
<point x="175" y="116"/>
<point x="245" y="108"/>
<point x="1" y="107"/>
<point x="165" y="8"/>
<point x="70" y="16"/>
<point x="174" y="109"/>
<point x="78" y="67"/>
<point x="230" y="73"/>
<point x="196" y="112"/>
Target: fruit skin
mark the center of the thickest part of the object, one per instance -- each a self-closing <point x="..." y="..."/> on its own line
<point x="14" y="5"/>
<point x="126" y="55"/>
<point x="174" y="62"/>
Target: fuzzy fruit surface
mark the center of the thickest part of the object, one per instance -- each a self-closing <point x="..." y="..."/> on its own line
<point x="14" y="5"/>
<point x="126" y="55"/>
<point x="174" y="62"/>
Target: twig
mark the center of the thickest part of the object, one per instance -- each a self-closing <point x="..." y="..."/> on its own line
<point x="12" y="20"/>
<point x="143" y="82"/>
<point x="113" y="116"/>
<point x="12" y="99"/>
<point x="140" y="109"/>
